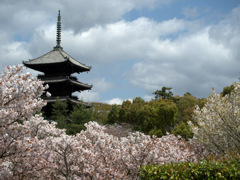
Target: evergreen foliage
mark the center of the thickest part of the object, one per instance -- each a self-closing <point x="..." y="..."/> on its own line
<point x="113" y="115"/>
<point x="183" y="130"/>
<point x="167" y="113"/>
<point x="188" y="170"/>
<point x="155" y="117"/>
<point x="80" y="114"/>
<point x="59" y="110"/>
<point x="60" y="113"/>
<point x="227" y="90"/>
<point x="100" y="112"/>
<point x="164" y="93"/>
<point x="73" y="121"/>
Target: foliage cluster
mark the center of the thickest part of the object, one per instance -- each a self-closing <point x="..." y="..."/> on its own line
<point x="185" y="107"/>
<point x="165" y="113"/>
<point x="100" y="112"/>
<point x="73" y="121"/>
<point x="188" y="170"/>
<point x="154" y="117"/>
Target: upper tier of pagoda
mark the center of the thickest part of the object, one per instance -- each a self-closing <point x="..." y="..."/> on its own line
<point x="57" y="61"/>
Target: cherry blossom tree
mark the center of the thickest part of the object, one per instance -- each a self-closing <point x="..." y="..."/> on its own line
<point x="20" y="153"/>
<point x="95" y="154"/>
<point x="217" y="124"/>
<point x="33" y="148"/>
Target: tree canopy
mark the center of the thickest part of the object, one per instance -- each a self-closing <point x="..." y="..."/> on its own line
<point x="164" y="93"/>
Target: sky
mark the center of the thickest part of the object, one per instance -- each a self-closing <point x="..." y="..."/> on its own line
<point x="134" y="47"/>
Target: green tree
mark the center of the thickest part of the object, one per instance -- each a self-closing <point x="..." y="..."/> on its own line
<point x="156" y="132"/>
<point x="59" y="108"/>
<point x="164" y="93"/>
<point x="227" y="90"/>
<point x="185" y="102"/>
<point x="183" y="130"/>
<point x="78" y="117"/>
<point x="188" y="114"/>
<point x="138" y="100"/>
<point x="100" y="112"/>
<point x="125" y="112"/>
<point x="186" y="106"/>
<point x="202" y="102"/>
<point x="81" y="114"/>
<point x="73" y="121"/>
<point x="131" y="113"/>
<point x="156" y="116"/>
<point x="60" y="113"/>
<point x="113" y="115"/>
<point x="159" y="115"/>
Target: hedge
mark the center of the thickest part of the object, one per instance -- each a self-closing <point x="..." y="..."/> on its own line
<point x="189" y="170"/>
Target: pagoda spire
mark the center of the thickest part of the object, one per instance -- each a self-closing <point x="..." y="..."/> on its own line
<point x="59" y="31"/>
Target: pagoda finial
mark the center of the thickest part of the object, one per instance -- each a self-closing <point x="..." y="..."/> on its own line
<point x="59" y="31"/>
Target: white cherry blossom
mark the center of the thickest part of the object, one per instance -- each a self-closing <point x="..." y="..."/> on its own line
<point x="217" y="124"/>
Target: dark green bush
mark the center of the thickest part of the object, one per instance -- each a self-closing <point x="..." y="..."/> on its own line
<point x="189" y="170"/>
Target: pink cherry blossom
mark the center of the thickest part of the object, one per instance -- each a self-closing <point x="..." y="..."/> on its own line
<point x="33" y="148"/>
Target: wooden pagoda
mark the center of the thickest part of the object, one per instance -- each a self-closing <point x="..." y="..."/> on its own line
<point x="58" y="67"/>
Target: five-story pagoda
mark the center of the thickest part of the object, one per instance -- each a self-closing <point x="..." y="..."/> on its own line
<point x="58" y="67"/>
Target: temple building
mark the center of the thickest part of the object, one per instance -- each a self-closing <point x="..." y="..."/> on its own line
<point x="57" y="67"/>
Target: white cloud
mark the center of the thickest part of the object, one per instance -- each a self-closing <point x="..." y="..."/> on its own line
<point x="13" y="54"/>
<point x="117" y="101"/>
<point x="99" y="35"/>
<point x="88" y="96"/>
<point x="120" y="41"/>
<point x="23" y="16"/>
<point x="101" y="85"/>
<point x="190" y="12"/>
<point x="227" y="32"/>
<point x="80" y="16"/>
<point x="148" y="97"/>
<point x="193" y="62"/>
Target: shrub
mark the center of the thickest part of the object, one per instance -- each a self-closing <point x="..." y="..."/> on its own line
<point x="189" y="170"/>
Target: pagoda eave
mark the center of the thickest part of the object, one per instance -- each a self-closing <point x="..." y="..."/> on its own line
<point x="65" y="66"/>
<point x="61" y="81"/>
<point x="70" y="100"/>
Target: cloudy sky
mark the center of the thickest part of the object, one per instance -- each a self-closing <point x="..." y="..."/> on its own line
<point x="135" y="47"/>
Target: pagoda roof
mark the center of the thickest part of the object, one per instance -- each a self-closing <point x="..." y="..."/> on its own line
<point x="71" y="100"/>
<point x="64" y="79"/>
<point x="56" y="56"/>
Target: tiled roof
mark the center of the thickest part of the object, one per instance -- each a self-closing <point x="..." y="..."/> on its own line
<point x="64" y="79"/>
<point x="57" y="55"/>
<point x="69" y="99"/>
